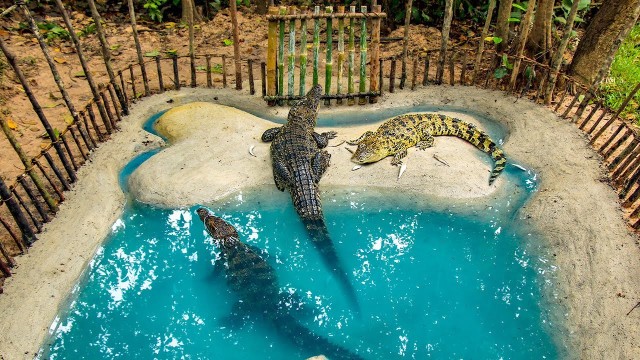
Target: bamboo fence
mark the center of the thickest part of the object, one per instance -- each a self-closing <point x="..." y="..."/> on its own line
<point x="32" y="199"/>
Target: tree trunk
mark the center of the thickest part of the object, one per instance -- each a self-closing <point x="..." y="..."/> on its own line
<point x="502" y="23"/>
<point x="540" y="39"/>
<point x="189" y="6"/>
<point x="602" y="39"/>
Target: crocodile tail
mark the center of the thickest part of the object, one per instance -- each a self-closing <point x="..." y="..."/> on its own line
<point x="319" y="234"/>
<point x="469" y="132"/>
<point x="310" y="342"/>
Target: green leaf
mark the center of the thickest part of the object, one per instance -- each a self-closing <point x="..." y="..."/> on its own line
<point x="500" y="73"/>
<point x="152" y="54"/>
<point x="561" y="20"/>
<point x="513" y="20"/>
<point x="227" y="42"/>
<point x="172" y="52"/>
<point x="580" y="98"/>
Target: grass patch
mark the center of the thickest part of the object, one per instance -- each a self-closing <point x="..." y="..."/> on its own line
<point x="624" y="76"/>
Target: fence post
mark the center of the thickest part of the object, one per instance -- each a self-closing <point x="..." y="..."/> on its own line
<point x="132" y="15"/>
<point x="316" y="44"/>
<point x="613" y="118"/>
<point x="352" y="56"/>
<point x="329" y="62"/>
<point x="405" y="42"/>
<point x="28" y="236"/>
<point x="374" y="85"/>
<point x="485" y="32"/>
<point x="292" y="53"/>
<point x="236" y="44"/>
<point x="303" y="55"/>
<point x="446" y="27"/>
<point x="159" y="68"/>
<point x="341" y="54"/>
<point x="524" y="34"/>
<point x="271" y="55"/>
<point x="363" y="56"/>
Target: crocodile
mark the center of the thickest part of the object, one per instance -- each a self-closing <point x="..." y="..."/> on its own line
<point x="255" y="283"/>
<point x="298" y="164"/>
<point x="399" y="133"/>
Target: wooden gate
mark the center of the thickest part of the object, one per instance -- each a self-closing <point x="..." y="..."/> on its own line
<point x="288" y="17"/>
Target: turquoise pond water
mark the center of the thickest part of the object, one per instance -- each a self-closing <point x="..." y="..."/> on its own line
<point x="432" y="283"/>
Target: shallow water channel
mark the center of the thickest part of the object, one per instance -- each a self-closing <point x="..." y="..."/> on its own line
<point x="432" y="282"/>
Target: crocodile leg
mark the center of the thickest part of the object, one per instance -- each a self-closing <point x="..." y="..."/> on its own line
<point x="397" y="158"/>
<point x="360" y="139"/>
<point x="322" y="140"/>
<point x="319" y="164"/>
<point x="281" y="175"/>
<point x="426" y="143"/>
<point x="270" y="134"/>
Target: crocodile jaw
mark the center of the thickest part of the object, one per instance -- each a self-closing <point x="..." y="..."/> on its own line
<point x="365" y="155"/>
<point x="219" y="229"/>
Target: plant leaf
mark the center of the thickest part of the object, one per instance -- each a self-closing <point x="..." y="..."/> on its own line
<point x="152" y="54"/>
<point x="12" y="124"/>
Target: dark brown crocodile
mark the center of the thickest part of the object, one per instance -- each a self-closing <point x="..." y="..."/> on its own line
<point x="299" y="162"/>
<point x="254" y="281"/>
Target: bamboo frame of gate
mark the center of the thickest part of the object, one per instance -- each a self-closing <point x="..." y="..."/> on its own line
<point x="282" y="17"/>
<point x="32" y="199"/>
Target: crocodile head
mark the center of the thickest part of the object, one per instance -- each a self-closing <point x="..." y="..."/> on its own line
<point x="306" y="110"/>
<point x="219" y="229"/>
<point x="370" y="150"/>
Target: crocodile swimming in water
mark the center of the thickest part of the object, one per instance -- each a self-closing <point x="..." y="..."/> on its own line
<point x="398" y="134"/>
<point x="298" y="164"/>
<point x="255" y="283"/>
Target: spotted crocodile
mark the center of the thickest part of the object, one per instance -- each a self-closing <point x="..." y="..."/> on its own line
<point x="298" y="164"/>
<point x="255" y="284"/>
<point x="398" y="134"/>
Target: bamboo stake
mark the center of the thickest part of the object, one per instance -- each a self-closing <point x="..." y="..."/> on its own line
<point x="281" y="25"/>
<point x="485" y="33"/>
<point x="252" y="89"/>
<point x="77" y="142"/>
<point x="88" y="130"/>
<point x="124" y="90"/>
<point x="376" y="69"/>
<point x="13" y="235"/>
<point x="329" y="62"/>
<point x="136" y="40"/>
<point x="292" y="53"/>
<point x="224" y="71"/>
<point x="576" y="97"/>
<point x="597" y="122"/>
<point x="85" y="136"/>
<point x="38" y="109"/>
<point x="106" y="107"/>
<point x="303" y="56"/>
<point x="34" y="199"/>
<point x="28" y="236"/>
<point x="341" y="54"/>
<point x="610" y="140"/>
<point x="113" y="97"/>
<point x="133" y="86"/>
<point x="68" y="149"/>
<point x="363" y="56"/>
<point x="352" y="56"/>
<point x="209" y="79"/>
<point x="405" y="42"/>
<point x="446" y="27"/>
<point x="524" y="34"/>
<point x="414" y="77"/>
<point x="271" y="55"/>
<point x="85" y="68"/>
<point x="236" y="44"/>
<point x="624" y="155"/>
<point x="593" y="111"/>
<point x="36" y="223"/>
<point x="176" y="74"/>
<point x="316" y="45"/>
<point x="52" y="165"/>
<point x="380" y="79"/>
<point x="192" y="56"/>
<point x="263" y="76"/>
<point x="27" y="165"/>
<point x="392" y="76"/>
<point x="106" y="54"/>
<point x="452" y="68"/>
<point x="93" y="122"/>
<point x="425" y="78"/>
<point x="49" y="180"/>
<point x="556" y="61"/>
<point x="617" y="114"/>
<point x="159" y="69"/>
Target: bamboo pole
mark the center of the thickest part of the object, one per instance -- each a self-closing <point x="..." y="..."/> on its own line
<point x="617" y="114"/>
<point x="236" y="44"/>
<point x="36" y="223"/>
<point x="68" y="149"/>
<point x="49" y="180"/>
<point x="38" y="109"/>
<point x="28" y="236"/>
<point x="252" y="89"/>
<point x="485" y="32"/>
<point x="136" y="40"/>
<point x="77" y="142"/>
<point x="624" y="155"/>
<point x="303" y="56"/>
<point x="28" y="165"/>
<point x="34" y="199"/>
<point x="159" y="69"/>
<point x="363" y="56"/>
<point x="192" y="55"/>
<point x="316" y="45"/>
<point x="85" y="122"/>
<point x="446" y="27"/>
<point x="106" y="54"/>
<point x="271" y="55"/>
<point x="281" y="26"/>
<point x="328" y="74"/>
<point x="124" y="88"/>
<point x="376" y="70"/>
<point x="292" y="53"/>
<point x="224" y="71"/>
<point x="85" y="68"/>
<point x="425" y="78"/>
<point x="576" y="97"/>
<point x="263" y="77"/>
<point x="352" y="56"/>
<point x="56" y="171"/>
<point x="113" y="98"/>
<point x="106" y="107"/>
<point x="463" y="73"/>
<point x="12" y="234"/>
<point x="176" y="73"/>
<point x="625" y="136"/>
<point x="341" y="54"/>
<point x="414" y="76"/>
<point x="392" y="76"/>
<point x="207" y="59"/>
<point x="452" y="68"/>
<point x="85" y="138"/>
<point x="405" y="42"/>
<point x="133" y="87"/>
<point x="556" y="61"/>
<point x="92" y="117"/>
<point x="591" y="113"/>
<point x="524" y="34"/>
